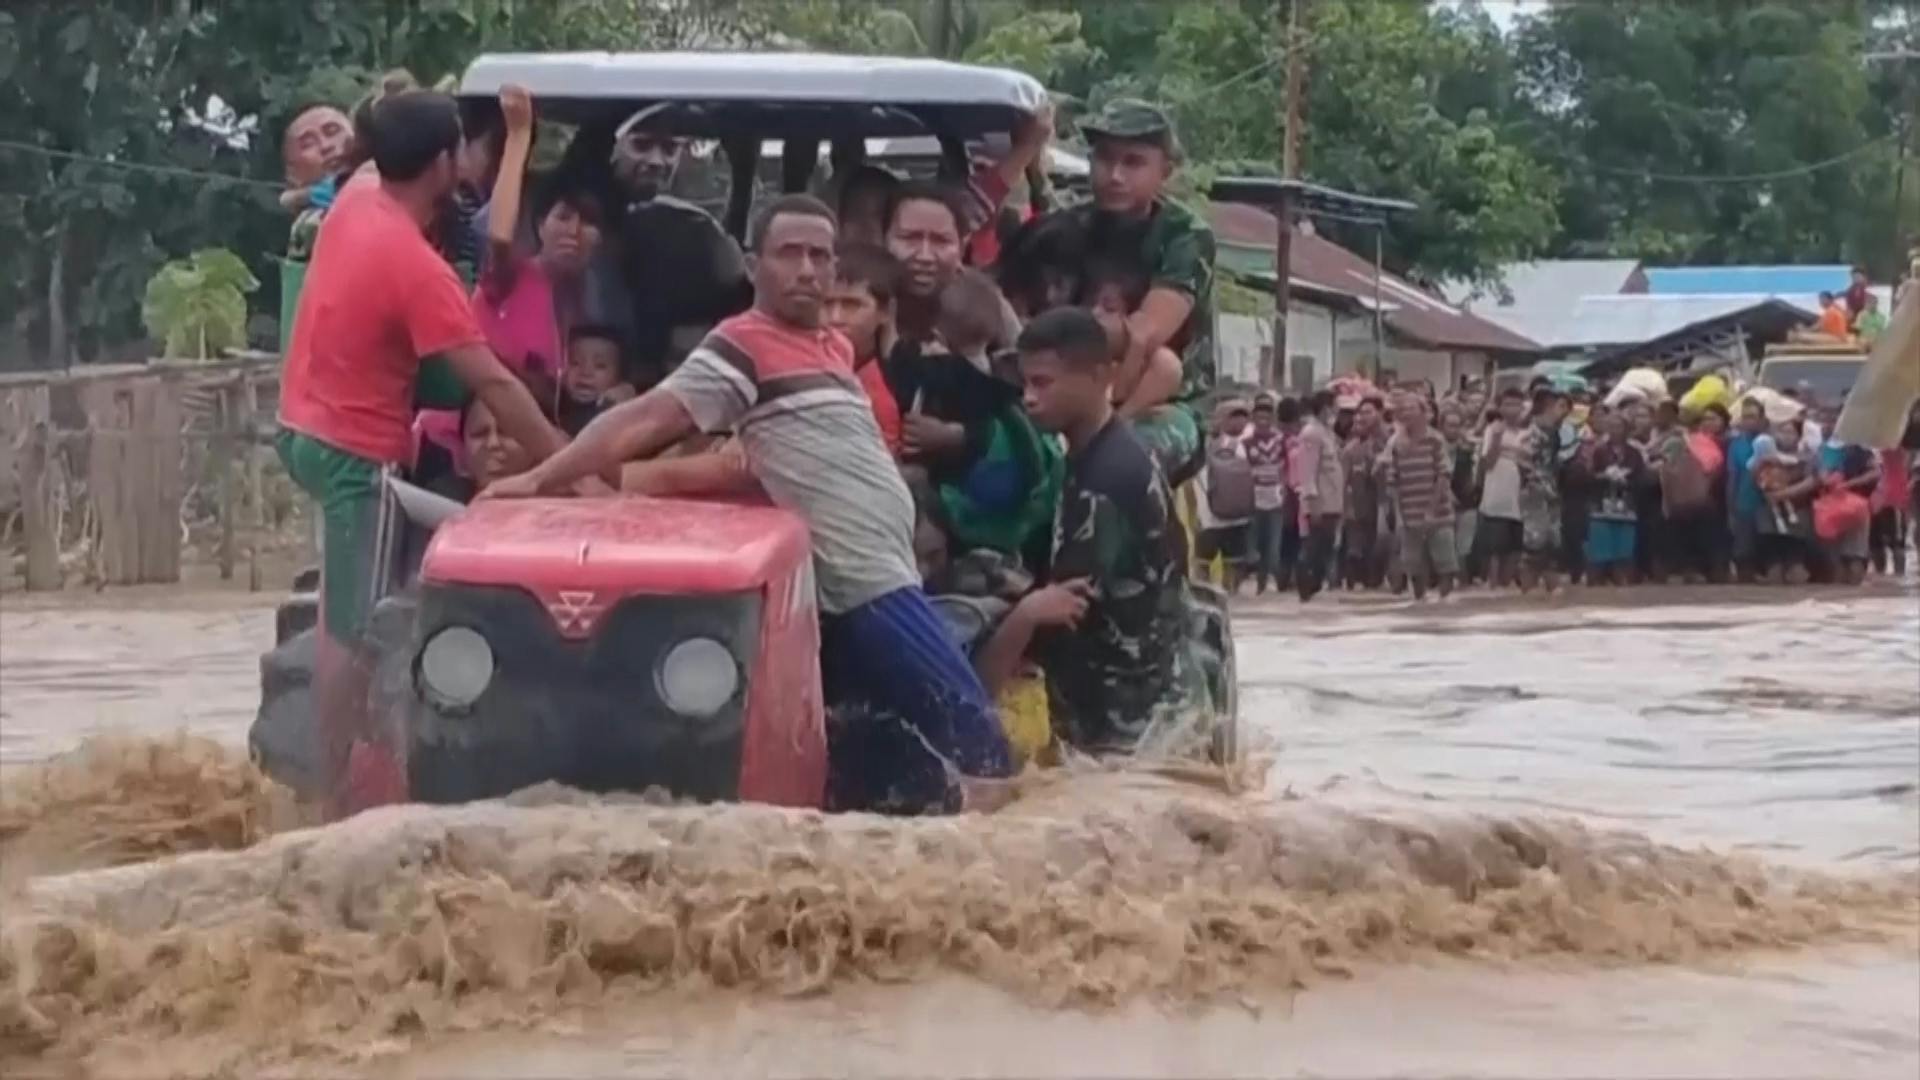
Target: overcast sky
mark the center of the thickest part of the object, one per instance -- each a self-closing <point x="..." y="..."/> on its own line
<point x="1503" y="11"/>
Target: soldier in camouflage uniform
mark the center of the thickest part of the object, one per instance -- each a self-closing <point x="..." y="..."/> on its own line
<point x="1113" y="629"/>
<point x="1131" y="222"/>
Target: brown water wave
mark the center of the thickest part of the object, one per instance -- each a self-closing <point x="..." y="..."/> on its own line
<point x="364" y="938"/>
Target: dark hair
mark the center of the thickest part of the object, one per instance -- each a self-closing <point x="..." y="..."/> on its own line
<point x="300" y="109"/>
<point x="483" y="120"/>
<point x="1825" y="296"/>
<point x="1131" y="281"/>
<point x="1668" y="407"/>
<point x="1379" y="403"/>
<point x="577" y="192"/>
<point x="970" y="311"/>
<point x="594" y="332"/>
<point x="926" y="191"/>
<point x="410" y="130"/>
<point x="1714" y="407"/>
<point x="1050" y="243"/>
<point x="1070" y="333"/>
<point x="1287" y="411"/>
<point x="1322" y="402"/>
<point x="1544" y="398"/>
<point x="1512" y="393"/>
<point x="797" y="205"/>
<point x="871" y="267"/>
<point x="1752" y="404"/>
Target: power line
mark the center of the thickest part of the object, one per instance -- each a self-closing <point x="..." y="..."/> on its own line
<point x="1745" y="178"/>
<point x="136" y="166"/>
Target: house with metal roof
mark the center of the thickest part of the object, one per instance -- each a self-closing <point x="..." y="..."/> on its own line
<point x="1808" y="281"/>
<point x="1332" y="328"/>
<point x="1540" y="300"/>
<point x="1616" y="313"/>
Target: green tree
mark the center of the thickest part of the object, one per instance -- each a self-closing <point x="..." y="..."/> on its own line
<point x="197" y="306"/>
<point x="1711" y="132"/>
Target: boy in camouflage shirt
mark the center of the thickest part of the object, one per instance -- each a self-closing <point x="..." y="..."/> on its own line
<point x="1113" y="629"/>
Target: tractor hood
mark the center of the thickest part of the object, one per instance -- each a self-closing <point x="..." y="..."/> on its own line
<point x="628" y="544"/>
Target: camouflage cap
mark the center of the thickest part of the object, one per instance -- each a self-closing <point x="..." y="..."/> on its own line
<point x="1130" y="118"/>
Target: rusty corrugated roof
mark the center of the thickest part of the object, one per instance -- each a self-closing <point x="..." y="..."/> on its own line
<point x="1410" y="312"/>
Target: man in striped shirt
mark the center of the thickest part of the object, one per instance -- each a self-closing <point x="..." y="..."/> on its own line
<point x="1414" y="468"/>
<point x="784" y="381"/>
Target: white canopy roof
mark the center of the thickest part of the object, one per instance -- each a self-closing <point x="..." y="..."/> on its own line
<point x="764" y="92"/>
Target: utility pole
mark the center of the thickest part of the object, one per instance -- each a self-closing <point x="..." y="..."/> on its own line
<point x="1906" y="157"/>
<point x="942" y="28"/>
<point x="1276" y="366"/>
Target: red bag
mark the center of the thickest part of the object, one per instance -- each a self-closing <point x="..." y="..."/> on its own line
<point x="1707" y="452"/>
<point x="1837" y="512"/>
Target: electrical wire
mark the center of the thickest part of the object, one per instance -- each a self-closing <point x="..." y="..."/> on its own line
<point x="1743" y="178"/>
<point x="136" y="166"/>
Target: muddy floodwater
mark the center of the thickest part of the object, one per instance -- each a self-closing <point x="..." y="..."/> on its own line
<point x="1669" y="834"/>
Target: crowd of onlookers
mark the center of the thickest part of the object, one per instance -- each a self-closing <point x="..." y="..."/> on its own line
<point x="1361" y="489"/>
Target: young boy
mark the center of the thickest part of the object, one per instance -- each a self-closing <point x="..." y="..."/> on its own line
<point x="1112" y="294"/>
<point x="1111" y="630"/>
<point x="961" y="420"/>
<point x="594" y="377"/>
<point x="860" y="305"/>
<point x="948" y="393"/>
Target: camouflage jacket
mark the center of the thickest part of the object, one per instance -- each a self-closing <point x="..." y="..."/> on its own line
<point x="1127" y="662"/>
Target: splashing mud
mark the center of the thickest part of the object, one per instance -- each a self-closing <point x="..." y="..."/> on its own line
<point x="120" y="799"/>
<point x="358" y="939"/>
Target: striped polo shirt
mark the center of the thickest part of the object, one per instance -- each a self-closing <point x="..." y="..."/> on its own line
<point x="1417" y="476"/>
<point x="810" y="437"/>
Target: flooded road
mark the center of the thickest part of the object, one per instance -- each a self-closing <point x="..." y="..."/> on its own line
<point x="1651" y="838"/>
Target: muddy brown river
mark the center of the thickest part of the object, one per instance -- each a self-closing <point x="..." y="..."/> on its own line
<point x="1670" y="834"/>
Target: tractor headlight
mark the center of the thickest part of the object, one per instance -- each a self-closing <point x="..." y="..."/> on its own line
<point x="698" y="677"/>
<point x="455" y="667"/>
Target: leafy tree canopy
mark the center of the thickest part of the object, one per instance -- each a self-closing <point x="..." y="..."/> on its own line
<point x="1671" y="130"/>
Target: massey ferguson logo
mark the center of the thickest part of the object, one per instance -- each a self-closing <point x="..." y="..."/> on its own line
<point x="576" y="611"/>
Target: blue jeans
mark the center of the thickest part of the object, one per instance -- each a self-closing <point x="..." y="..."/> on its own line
<point x="1269" y="561"/>
<point x="908" y="709"/>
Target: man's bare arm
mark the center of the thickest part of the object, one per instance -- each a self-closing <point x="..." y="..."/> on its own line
<point x="633" y="429"/>
<point x="1030" y="138"/>
<point x="507" y="398"/>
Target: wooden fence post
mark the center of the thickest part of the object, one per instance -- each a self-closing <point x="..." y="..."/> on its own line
<point x="256" y="477"/>
<point x="224" y="446"/>
<point x="36" y="511"/>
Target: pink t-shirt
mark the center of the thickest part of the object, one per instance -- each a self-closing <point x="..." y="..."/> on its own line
<point x="521" y="326"/>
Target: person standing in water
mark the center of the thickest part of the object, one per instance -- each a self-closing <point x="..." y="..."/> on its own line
<point x="1322" y="486"/>
<point x="1540" y="518"/>
<point x="1415" y="471"/>
<point x="383" y="323"/>
<point x="1112" y="629"/>
<point x="1502" y="447"/>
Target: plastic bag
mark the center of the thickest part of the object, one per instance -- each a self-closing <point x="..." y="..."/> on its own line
<point x="1837" y="512"/>
<point x="1707" y="452"/>
<point x="1710" y="390"/>
<point x="1642" y="384"/>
